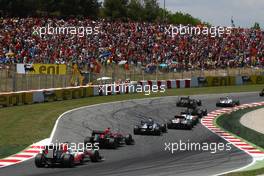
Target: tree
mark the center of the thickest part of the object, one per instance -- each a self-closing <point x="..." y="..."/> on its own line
<point x="151" y="10"/>
<point x="182" y="18"/>
<point x="115" y="8"/>
<point x="256" y="26"/>
<point x="135" y="10"/>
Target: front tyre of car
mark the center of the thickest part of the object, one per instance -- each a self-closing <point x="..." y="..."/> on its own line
<point x="68" y="160"/>
<point x="40" y="160"/>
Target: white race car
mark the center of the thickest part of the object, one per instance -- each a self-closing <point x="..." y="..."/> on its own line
<point x="227" y="102"/>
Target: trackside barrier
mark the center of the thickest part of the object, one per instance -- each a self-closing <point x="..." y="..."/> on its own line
<point x="211" y="81"/>
<point x="59" y="94"/>
<point x="168" y="84"/>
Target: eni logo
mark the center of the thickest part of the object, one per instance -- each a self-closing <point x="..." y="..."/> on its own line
<point x="50" y="69"/>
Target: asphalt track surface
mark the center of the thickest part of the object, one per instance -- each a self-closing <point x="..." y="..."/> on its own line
<point x="147" y="156"/>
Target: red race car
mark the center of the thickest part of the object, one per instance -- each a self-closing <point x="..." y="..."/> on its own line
<point x="108" y="139"/>
<point x="65" y="157"/>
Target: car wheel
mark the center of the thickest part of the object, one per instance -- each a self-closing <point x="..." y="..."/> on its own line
<point x="88" y="140"/>
<point x="129" y="140"/>
<point x="164" y="128"/>
<point x="136" y="130"/>
<point x="40" y="160"/>
<point x="95" y="157"/>
<point x="68" y="160"/>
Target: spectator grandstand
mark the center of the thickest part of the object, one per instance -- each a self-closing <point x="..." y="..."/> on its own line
<point x="135" y="43"/>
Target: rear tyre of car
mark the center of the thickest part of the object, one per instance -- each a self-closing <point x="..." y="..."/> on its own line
<point x="169" y="125"/>
<point x="95" y="157"/>
<point x="40" y="160"/>
<point x="158" y="132"/>
<point x="136" y="130"/>
<point x="112" y="143"/>
<point x="88" y="140"/>
<point x="68" y="161"/>
<point x="189" y="127"/>
<point x="205" y="112"/>
<point x="129" y="140"/>
<point x="164" y="128"/>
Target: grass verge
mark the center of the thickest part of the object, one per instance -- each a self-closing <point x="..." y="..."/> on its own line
<point x="231" y="123"/>
<point x="23" y="125"/>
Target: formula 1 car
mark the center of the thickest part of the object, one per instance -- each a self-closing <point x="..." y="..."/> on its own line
<point x="196" y="112"/>
<point x="188" y="102"/>
<point x="108" y="139"/>
<point x="193" y="118"/>
<point x="261" y="93"/>
<point x="180" y="122"/>
<point x="65" y="157"/>
<point x="227" y="102"/>
<point x="149" y="127"/>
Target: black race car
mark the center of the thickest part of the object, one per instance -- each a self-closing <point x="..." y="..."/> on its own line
<point x="149" y="127"/>
<point x="196" y="112"/>
<point x="108" y="139"/>
<point x="65" y="157"/>
<point x="181" y="122"/>
<point x="188" y="102"/>
<point x="261" y="93"/>
<point x="227" y="102"/>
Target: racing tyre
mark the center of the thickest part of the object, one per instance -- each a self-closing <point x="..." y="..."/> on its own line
<point x="88" y="140"/>
<point x="158" y="132"/>
<point x="113" y="144"/>
<point x="68" y="160"/>
<point x="95" y="157"/>
<point x="169" y="125"/>
<point x="205" y="112"/>
<point x="40" y="160"/>
<point x="129" y="140"/>
<point x="136" y="130"/>
<point x="199" y="103"/>
<point x="189" y="127"/>
<point x="164" y="128"/>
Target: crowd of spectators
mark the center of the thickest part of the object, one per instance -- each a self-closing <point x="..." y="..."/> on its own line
<point x="138" y="43"/>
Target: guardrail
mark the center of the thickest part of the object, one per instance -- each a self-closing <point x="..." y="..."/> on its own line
<point x="59" y="94"/>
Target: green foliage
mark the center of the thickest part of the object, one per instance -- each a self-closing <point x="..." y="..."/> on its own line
<point x="231" y="122"/>
<point x="182" y="18"/>
<point x="135" y="10"/>
<point x="115" y="8"/>
<point x="256" y="26"/>
<point x="64" y="8"/>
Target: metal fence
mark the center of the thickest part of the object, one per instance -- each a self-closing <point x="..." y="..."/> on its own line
<point x="11" y="81"/>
